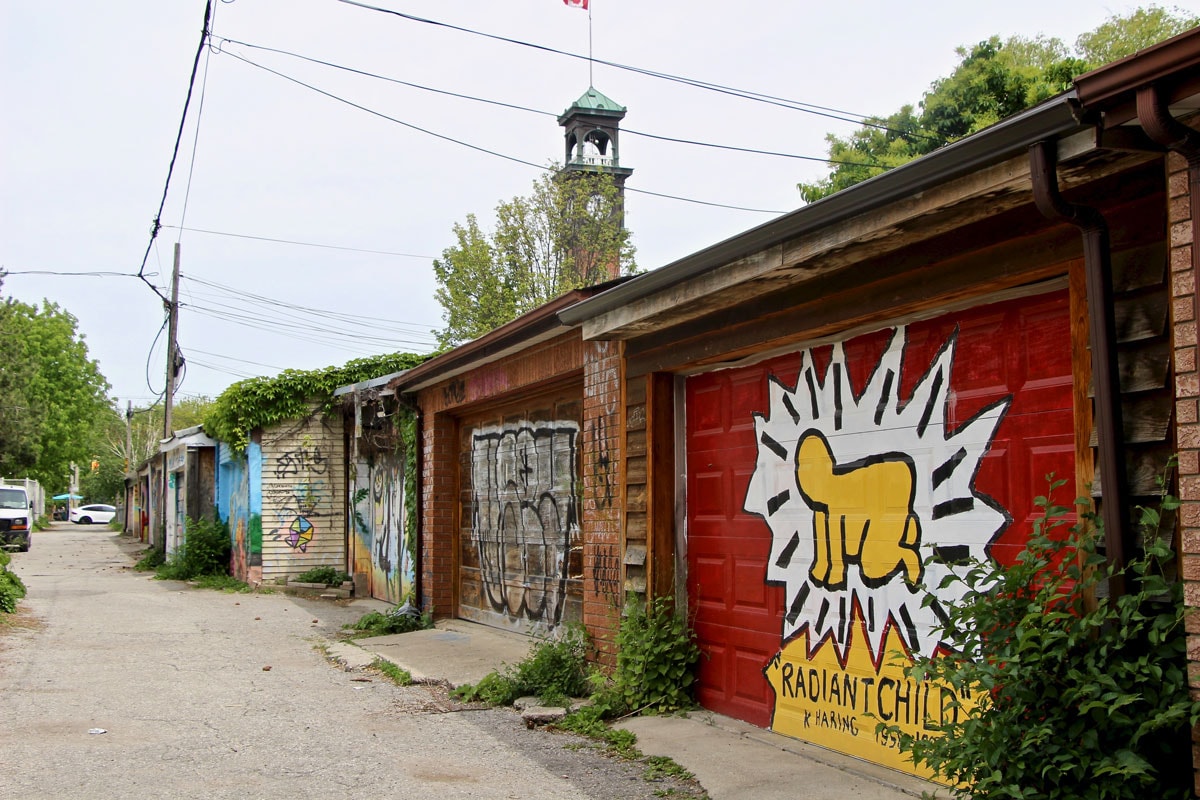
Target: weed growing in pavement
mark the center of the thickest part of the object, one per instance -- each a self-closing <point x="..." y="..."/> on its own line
<point x="401" y="619"/>
<point x="151" y="560"/>
<point x="221" y="583"/>
<point x="398" y="675"/>
<point x="12" y="588"/>
<point x="555" y="670"/>
<point x="330" y="576"/>
<point x="205" y="551"/>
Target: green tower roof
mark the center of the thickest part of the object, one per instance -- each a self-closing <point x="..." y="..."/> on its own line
<point x="593" y="100"/>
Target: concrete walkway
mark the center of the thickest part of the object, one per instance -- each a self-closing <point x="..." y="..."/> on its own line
<point x="730" y="758"/>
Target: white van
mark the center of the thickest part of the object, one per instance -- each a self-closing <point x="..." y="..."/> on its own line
<point x="16" y="518"/>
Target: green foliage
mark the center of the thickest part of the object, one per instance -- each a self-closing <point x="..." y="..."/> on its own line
<point x="12" y="588"/>
<point x="400" y="619"/>
<point x="564" y="235"/>
<point x="656" y="654"/>
<point x="398" y="675"/>
<point x="151" y="560"/>
<point x="330" y="576"/>
<point x="993" y="80"/>
<point x="52" y="395"/>
<point x="205" y="551"/>
<point x="1075" y="700"/>
<point x="1118" y="37"/>
<point x="555" y="670"/>
<point x="262" y="402"/>
<point x="221" y="583"/>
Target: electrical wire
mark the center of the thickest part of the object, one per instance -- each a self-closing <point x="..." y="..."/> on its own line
<point x="475" y="147"/>
<point x="175" y="152"/>
<point x="303" y="244"/>
<point x="808" y="108"/>
<point x="67" y="274"/>
<point x="515" y="107"/>
<point x="391" y="324"/>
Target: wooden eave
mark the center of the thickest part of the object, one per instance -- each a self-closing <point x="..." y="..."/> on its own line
<point x="538" y="325"/>
<point x="816" y="255"/>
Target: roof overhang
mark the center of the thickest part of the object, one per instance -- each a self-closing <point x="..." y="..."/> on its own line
<point x="539" y="325"/>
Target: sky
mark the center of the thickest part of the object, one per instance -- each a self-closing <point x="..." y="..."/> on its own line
<point x="307" y="217"/>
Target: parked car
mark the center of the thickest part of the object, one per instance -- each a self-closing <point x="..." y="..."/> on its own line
<point x="97" y="512"/>
<point x="16" y="517"/>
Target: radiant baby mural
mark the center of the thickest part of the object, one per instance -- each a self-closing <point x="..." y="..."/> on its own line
<point x="887" y="463"/>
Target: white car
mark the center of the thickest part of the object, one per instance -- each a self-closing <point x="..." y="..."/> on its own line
<point x="97" y="512"/>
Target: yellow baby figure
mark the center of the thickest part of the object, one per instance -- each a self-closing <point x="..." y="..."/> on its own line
<point x="862" y="514"/>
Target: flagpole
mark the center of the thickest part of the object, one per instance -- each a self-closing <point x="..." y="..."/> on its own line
<point x="591" y="81"/>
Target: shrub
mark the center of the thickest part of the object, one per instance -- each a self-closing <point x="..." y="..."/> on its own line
<point x="1074" y="700"/>
<point x="205" y="551"/>
<point x="151" y="560"/>
<point x="401" y="619"/>
<point x="12" y="589"/>
<point x="554" y="670"/>
<point x="330" y="576"/>
<point x="656" y="654"/>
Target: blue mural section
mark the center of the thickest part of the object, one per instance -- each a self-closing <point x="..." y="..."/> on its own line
<point x="239" y="503"/>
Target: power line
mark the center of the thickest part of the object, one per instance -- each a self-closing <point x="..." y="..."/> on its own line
<point x="303" y="244"/>
<point x="175" y="152"/>
<point x="391" y="324"/>
<point x="808" y="108"/>
<point x="475" y="147"/>
<point x="68" y="274"/>
<point x="515" y="107"/>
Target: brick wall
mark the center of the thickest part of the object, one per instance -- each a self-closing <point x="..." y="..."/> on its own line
<point x="1187" y="414"/>
<point x="602" y="495"/>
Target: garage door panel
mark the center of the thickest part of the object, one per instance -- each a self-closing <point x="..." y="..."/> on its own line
<point x="520" y="552"/>
<point x="935" y="434"/>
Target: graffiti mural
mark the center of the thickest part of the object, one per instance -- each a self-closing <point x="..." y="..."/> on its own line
<point x="380" y="526"/>
<point x="295" y="509"/>
<point x="524" y="524"/>
<point x="871" y="500"/>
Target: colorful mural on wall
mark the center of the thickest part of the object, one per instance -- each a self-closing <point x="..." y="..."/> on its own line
<point x="240" y="506"/>
<point x="525" y="523"/>
<point x="296" y="507"/>
<point x="380" y="526"/>
<point x="878" y="466"/>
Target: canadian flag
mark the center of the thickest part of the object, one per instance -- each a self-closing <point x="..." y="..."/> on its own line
<point x="576" y="3"/>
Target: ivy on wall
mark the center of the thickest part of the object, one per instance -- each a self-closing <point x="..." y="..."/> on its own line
<point x="263" y="402"/>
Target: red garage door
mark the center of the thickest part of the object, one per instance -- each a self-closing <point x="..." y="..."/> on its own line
<point x="819" y="484"/>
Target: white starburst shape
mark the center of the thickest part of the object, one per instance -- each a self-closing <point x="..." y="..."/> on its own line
<point x="870" y="499"/>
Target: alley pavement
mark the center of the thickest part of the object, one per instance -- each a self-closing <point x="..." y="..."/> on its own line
<point x="730" y="758"/>
<point x="129" y="687"/>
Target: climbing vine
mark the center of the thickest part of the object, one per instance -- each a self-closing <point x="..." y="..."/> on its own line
<point x="262" y="402"/>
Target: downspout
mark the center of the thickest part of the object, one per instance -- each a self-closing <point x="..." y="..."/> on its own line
<point x="1097" y="260"/>
<point x="1174" y="135"/>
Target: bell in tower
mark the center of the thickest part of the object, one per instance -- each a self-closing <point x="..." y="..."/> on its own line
<point x="592" y="130"/>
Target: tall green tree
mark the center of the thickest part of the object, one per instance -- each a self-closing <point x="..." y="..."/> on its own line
<point x="565" y="234"/>
<point x="994" y="79"/>
<point x="53" y="394"/>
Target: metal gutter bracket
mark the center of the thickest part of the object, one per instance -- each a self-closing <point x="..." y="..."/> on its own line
<point x="1097" y="257"/>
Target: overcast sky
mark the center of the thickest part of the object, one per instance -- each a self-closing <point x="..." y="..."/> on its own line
<point x="92" y="95"/>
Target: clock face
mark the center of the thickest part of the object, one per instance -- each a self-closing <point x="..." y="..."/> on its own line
<point x="595" y="204"/>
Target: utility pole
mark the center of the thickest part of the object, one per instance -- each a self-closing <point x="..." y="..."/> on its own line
<point x="130" y="478"/>
<point x="172" y="333"/>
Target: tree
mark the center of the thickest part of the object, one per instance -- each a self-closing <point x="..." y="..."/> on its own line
<point x="995" y="79"/>
<point x="564" y="235"/>
<point x="52" y="395"/>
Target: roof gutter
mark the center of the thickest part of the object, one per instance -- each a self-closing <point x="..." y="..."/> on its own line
<point x="1011" y="137"/>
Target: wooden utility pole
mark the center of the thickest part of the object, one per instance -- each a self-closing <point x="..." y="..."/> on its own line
<point x="172" y="333"/>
